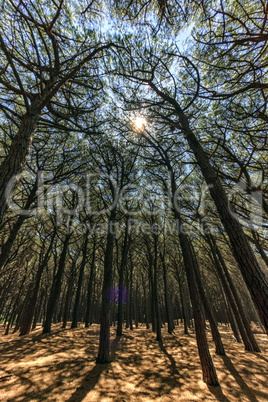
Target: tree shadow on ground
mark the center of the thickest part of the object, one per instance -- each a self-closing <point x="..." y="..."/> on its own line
<point x="61" y="366"/>
<point x="93" y="376"/>
<point x="244" y="387"/>
<point x="88" y="383"/>
<point x="173" y="367"/>
<point x="217" y="392"/>
<point x="260" y="356"/>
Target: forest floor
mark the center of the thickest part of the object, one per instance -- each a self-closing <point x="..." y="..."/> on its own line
<point x="61" y="367"/>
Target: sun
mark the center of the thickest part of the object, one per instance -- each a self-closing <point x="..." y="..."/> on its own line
<point x="139" y="124"/>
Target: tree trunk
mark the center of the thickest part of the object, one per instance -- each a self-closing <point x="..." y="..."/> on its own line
<point x="38" y="310"/>
<point x="131" y="296"/>
<point x="123" y="264"/>
<point x="104" y="343"/>
<point x="15" y="160"/>
<point x="213" y="324"/>
<point x="80" y="282"/>
<point x="208" y="369"/>
<point x="152" y="304"/>
<point x="68" y="297"/>
<point x="128" y="303"/>
<point x="31" y="305"/>
<point x="90" y="285"/>
<point x="146" y="303"/>
<point x="245" y="334"/>
<point x="56" y="287"/>
<point x="155" y="284"/>
<point x="255" y="278"/>
<point x="169" y="320"/>
<point x="234" y="325"/>
<point x="184" y="312"/>
<point x="241" y="310"/>
<point x="14" y="310"/>
<point x="259" y="247"/>
<point x="229" y="311"/>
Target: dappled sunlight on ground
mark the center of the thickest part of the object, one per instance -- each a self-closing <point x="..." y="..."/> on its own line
<point x="61" y="367"/>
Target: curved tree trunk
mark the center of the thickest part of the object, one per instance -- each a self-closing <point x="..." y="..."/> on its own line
<point x="255" y="278"/>
<point x="240" y="307"/>
<point x="230" y="291"/>
<point x="14" y="162"/>
<point x="208" y="369"/>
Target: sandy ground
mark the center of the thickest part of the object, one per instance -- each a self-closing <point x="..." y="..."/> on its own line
<point x="61" y="367"/>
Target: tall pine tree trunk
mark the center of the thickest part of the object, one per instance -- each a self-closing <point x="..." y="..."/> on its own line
<point x="56" y="287"/>
<point x="13" y="164"/>
<point x="208" y="369"/>
<point x="6" y="247"/>
<point x="80" y="282"/>
<point x="225" y="275"/>
<point x="155" y="284"/>
<point x="212" y="321"/>
<point x="31" y="303"/>
<point x="123" y="264"/>
<point x="255" y="278"/>
<point x="166" y="292"/>
<point x="183" y="307"/>
<point x="90" y="286"/>
<point x="104" y="343"/>
<point x="66" y="309"/>
<point x="246" y="334"/>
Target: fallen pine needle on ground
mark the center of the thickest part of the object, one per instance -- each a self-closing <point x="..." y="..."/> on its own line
<point x="61" y="367"/>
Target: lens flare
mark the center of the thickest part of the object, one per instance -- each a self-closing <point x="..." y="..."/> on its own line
<point x="139" y="124"/>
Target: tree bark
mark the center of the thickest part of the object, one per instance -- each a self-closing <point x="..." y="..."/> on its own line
<point x="68" y="298"/>
<point x="246" y="323"/>
<point x="80" y="282"/>
<point x="255" y="240"/>
<point x="90" y="286"/>
<point x="6" y="247"/>
<point x="155" y="284"/>
<point x="31" y="305"/>
<point x="123" y="264"/>
<point x="104" y="343"/>
<point x="255" y="278"/>
<point x="56" y="287"/>
<point x="245" y="331"/>
<point x="14" y="163"/>
<point x="15" y="160"/>
<point x="167" y="307"/>
<point x="213" y="324"/>
<point x="184" y="312"/>
<point x="208" y="369"/>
